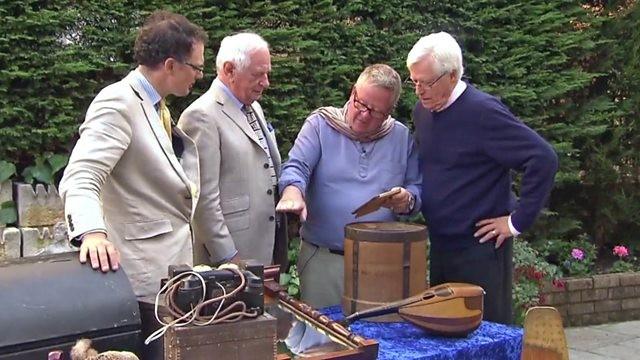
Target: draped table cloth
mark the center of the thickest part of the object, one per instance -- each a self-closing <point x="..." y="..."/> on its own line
<point x="402" y="340"/>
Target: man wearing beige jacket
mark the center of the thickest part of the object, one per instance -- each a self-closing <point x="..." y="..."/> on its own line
<point x="131" y="186"/>
<point x="239" y="158"/>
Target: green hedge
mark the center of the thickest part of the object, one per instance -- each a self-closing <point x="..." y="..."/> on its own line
<point x="567" y="70"/>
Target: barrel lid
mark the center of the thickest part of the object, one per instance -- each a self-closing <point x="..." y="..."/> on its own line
<point x="385" y="231"/>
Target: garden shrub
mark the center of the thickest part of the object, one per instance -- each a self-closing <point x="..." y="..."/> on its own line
<point x="531" y="270"/>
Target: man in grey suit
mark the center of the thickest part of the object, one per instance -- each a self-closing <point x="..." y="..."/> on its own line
<point x="131" y="186"/>
<point x="239" y="158"/>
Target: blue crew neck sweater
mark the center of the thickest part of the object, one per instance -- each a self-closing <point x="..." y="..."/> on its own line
<point x="466" y="154"/>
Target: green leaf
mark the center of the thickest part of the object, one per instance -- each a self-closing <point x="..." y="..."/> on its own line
<point x="40" y="172"/>
<point x="57" y="162"/>
<point x="8" y="213"/>
<point x="284" y="279"/>
<point x="27" y="175"/>
<point x="43" y="175"/>
<point x="293" y="290"/>
<point x="7" y="170"/>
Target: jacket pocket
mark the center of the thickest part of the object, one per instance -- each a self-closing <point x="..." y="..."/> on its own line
<point x="235" y="211"/>
<point x="234" y="205"/>
<point x="146" y="229"/>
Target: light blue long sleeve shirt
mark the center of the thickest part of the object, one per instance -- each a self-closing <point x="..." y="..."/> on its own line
<point x="337" y="174"/>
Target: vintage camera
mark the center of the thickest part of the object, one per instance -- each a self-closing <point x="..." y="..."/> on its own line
<point x="189" y="291"/>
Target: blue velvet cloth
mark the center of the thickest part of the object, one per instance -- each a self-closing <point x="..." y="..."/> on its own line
<point x="402" y="340"/>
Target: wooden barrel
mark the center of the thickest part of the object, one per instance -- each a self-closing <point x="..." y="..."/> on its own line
<point x="383" y="262"/>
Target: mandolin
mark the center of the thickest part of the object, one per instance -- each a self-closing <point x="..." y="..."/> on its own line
<point x="450" y="309"/>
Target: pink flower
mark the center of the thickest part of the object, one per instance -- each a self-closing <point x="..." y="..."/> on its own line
<point x="577" y="254"/>
<point x="620" y="251"/>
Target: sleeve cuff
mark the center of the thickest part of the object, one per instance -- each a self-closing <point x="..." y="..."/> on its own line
<point x="77" y="241"/>
<point x="226" y="259"/>
<point x="512" y="228"/>
<point x="414" y="206"/>
<point x="299" y="184"/>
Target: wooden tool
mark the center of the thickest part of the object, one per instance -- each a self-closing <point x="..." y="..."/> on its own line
<point x="450" y="309"/>
<point x="375" y="203"/>
<point x="544" y="337"/>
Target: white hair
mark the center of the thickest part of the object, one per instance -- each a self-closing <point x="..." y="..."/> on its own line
<point x="442" y="48"/>
<point x="237" y="48"/>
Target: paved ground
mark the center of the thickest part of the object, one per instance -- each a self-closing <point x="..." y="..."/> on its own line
<point x="608" y="341"/>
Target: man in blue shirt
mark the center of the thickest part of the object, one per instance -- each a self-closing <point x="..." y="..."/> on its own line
<point x="468" y="143"/>
<point x="341" y="158"/>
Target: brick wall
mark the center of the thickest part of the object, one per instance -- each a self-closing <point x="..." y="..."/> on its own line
<point x="597" y="299"/>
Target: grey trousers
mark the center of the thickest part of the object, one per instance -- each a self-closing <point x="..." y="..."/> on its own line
<point x="321" y="276"/>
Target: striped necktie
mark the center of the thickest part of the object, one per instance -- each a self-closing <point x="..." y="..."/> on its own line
<point x="257" y="129"/>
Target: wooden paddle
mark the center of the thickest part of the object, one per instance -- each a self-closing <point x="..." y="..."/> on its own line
<point x="374" y="203"/>
<point x="544" y="337"/>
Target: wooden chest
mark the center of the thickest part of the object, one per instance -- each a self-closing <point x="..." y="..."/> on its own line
<point x="253" y="339"/>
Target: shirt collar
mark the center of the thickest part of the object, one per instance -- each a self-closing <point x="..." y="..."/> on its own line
<point x="217" y="82"/>
<point x="146" y="86"/>
<point x="455" y="94"/>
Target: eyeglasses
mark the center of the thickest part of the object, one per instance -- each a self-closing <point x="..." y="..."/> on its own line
<point x="360" y="106"/>
<point x="195" y="67"/>
<point x="419" y="83"/>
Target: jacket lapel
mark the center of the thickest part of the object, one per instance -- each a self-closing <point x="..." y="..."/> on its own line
<point x="235" y="114"/>
<point x="271" y="141"/>
<point x="191" y="165"/>
<point x="239" y="118"/>
<point x="160" y="134"/>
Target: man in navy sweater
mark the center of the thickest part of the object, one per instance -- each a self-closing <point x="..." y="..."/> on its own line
<point x="468" y="144"/>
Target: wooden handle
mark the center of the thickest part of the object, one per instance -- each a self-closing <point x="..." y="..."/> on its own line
<point x="437" y="291"/>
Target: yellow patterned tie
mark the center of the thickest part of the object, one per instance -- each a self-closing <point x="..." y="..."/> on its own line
<point x="165" y="117"/>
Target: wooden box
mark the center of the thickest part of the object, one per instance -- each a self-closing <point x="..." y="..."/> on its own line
<point x="253" y="339"/>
